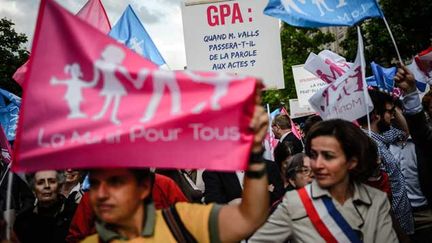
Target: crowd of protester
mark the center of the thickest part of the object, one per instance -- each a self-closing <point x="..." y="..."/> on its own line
<point x="373" y="172"/>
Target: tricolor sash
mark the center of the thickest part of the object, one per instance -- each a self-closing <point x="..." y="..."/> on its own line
<point x="326" y="219"/>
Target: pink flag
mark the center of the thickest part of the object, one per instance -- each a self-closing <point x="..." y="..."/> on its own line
<point x="93" y="103"/>
<point x="270" y="142"/>
<point x="19" y="74"/>
<point x="424" y="61"/>
<point x="294" y="127"/>
<point x="93" y="13"/>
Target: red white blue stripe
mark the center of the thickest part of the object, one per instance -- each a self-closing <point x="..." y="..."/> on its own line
<point x="326" y="219"/>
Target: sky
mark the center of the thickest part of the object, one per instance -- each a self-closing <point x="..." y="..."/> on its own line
<point x="161" y="18"/>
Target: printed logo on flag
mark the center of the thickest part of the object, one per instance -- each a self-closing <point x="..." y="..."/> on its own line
<point x="347" y="97"/>
<point x="113" y="90"/>
<point x="327" y="65"/>
<point x="319" y="13"/>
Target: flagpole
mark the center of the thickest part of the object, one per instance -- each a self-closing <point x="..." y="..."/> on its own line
<point x="363" y="68"/>
<point x="6" y="173"/>
<point x="269" y="116"/>
<point x="8" y="217"/>
<point x="392" y="38"/>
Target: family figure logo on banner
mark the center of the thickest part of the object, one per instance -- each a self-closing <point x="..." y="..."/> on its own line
<point x="106" y="100"/>
<point x="346" y="95"/>
<point x="113" y="90"/>
<point x="290" y="5"/>
<point x="305" y="12"/>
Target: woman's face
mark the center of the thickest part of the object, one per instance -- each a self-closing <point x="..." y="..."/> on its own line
<point x="46" y="187"/>
<point x="304" y="174"/>
<point x="328" y="162"/>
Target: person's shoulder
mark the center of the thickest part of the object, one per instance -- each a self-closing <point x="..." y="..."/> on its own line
<point x="26" y="214"/>
<point x="291" y="200"/>
<point x="91" y="239"/>
<point x="165" y="182"/>
<point x="188" y="210"/>
<point x="373" y="193"/>
<point x="186" y="206"/>
<point x="371" y="190"/>
<point x="162" y="178"/>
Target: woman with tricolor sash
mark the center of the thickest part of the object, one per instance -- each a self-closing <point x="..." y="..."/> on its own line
<point x="336" y="206"/>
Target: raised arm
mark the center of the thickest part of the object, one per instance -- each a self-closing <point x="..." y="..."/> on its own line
<point x="96" y="75"/>
<point x="125" y="73"/>
<point x="54" y="81"/>
<point x="236" y="222"/>
<point x="415" y="117"/>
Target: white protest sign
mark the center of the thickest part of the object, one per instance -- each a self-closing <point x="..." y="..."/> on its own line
<point x="306" y="84"/>
<point x="299" y="111"/>
<point x="346" y="98"/>
<point x="233" y="36"/>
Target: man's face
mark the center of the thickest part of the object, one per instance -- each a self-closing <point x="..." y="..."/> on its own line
<point x="116" y="196"/>
<point x="46" y="187"/>
<point x="276" y="131"/>
<point x="386" y="118"/>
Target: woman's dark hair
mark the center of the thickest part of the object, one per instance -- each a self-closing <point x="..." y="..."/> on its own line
<point x="310" y="121"/>
<point x="354" y="142"/>
<point x="286" y="149"/>
<point x="294" y="163"/>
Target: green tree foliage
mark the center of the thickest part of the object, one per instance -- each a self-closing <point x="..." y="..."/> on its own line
<point x="410" y="24"/>
<point x="12" y="55"/>
<point x="296" y="43"/>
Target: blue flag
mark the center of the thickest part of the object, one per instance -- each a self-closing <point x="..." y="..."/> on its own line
<point x="9" y="109"/>
<point x="371" y="81"/>
<point x="129" y="31"/>
<point x="383" y="77"/>
<point x="319" y="13"/>
<point x="274" y="113"/>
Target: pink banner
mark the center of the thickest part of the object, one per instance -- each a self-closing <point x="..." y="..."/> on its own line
<point x="93" y="103"/>
<point x="94" y="13"/>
